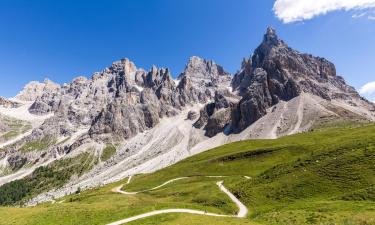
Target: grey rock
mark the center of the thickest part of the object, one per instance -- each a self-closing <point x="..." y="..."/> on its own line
<point x="276" y="72"/>
<point x="34" y="90"/>
<point x="16" y="162"/>
<point x="6" y="103"/>
<point x="217" y="115"/>
<point x="192" y="115"/>
<point x="200" y="80"/>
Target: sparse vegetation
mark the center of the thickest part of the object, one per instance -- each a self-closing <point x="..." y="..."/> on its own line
<point x="15" y="128"/>
<point x="108" y="152"/>
<point x="37" y="145"/>
<point x="45" y="178"/>
<point x="63" y="141"/>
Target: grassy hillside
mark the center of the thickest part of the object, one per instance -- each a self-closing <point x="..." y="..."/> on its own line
<point x="321" y="177"/>
<point x="318" y="177"/>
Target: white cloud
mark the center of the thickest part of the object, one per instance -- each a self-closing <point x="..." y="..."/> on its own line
<point x="371" y="17"/>
<point x="359" y="15"/>
<point x="368" y="91"/>
<point x="298" y="10"/>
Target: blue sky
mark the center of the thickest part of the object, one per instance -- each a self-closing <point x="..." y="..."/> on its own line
<point x="64" y="39"/>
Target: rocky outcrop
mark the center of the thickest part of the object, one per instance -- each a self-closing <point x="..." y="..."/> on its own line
<point x="215" y="116"/>
<point x="136" y="108"/>
<point x="290" y="72"/>
<point x="8" y="103"/>
<point x="33" y="90"/>
<point x="3" y="127"/>
<point x="125" y="120"/>
<point x="192" y="115"/>
<point x="200" y="80"/>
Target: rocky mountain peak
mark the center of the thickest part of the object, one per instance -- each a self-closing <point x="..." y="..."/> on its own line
<point x="203" y="73"/>
<point x="31" y="91"/>
<point x="271" y="39"/>
<point x="204" y="68"/>
<point x="278" y="73"/>
<point x="124" y="68"/>
<point x="154" y="70"/>
<point x="80" y="80"/>
<point x="284" y="63"/>
<point x="195" y="61"/>
<point x="270" y="31"/>
<point x="156" y="77"/>
<point x="35" y="89"/>
<point x="245" y="62"/>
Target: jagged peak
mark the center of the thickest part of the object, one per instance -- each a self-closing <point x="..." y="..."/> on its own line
<point x="159" y="70"/>
<point x="38" y="83"/>
<point x="271" y="31"/>
<point x="154" y="69"/>
<point x="34" y="89"/>
<point x="271" y="38"/>
<point x="80" y="79"/>
<point x="196" y="60"/>
<point x="123" y="61"/>
<point x="197" y="63"/>
<point x="245" y="62"/>
<point x="125" y="65"/>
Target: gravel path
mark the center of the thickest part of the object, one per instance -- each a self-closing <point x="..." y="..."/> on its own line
<point x="241" y="213"/>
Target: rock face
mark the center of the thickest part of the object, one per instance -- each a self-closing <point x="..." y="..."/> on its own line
<point x="200" y="80"/>
<point x="192" y="115"/>
<point x="215" y="116"/>
<point x="206" y="76"/>
<point x="8" y="103"/>
<point x="35" y="89"/>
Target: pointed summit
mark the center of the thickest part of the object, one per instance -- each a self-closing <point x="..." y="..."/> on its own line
<point x="271" y="38"/>
<point x="202" y="69"/>
<point x="195" y="59"/>
<point x="271" y="31"/>
<point x="124" y="66"/>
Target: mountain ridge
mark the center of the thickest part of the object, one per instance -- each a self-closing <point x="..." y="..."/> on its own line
<point x="155" y="121"/>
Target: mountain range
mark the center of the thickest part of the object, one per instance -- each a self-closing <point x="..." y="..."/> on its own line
<point x="125" y="120"/>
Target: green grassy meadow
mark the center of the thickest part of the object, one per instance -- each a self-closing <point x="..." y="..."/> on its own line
<point x="320" y="177"/>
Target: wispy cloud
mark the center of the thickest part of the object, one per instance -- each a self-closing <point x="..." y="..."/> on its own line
<point x="298" y="10"/>
<point x="368" y="91"/>
<point x="359" y="15"/>
<point x="371" y="17"/>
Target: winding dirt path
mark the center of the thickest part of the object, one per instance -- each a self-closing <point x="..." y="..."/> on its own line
<point x="241" y="213"/>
